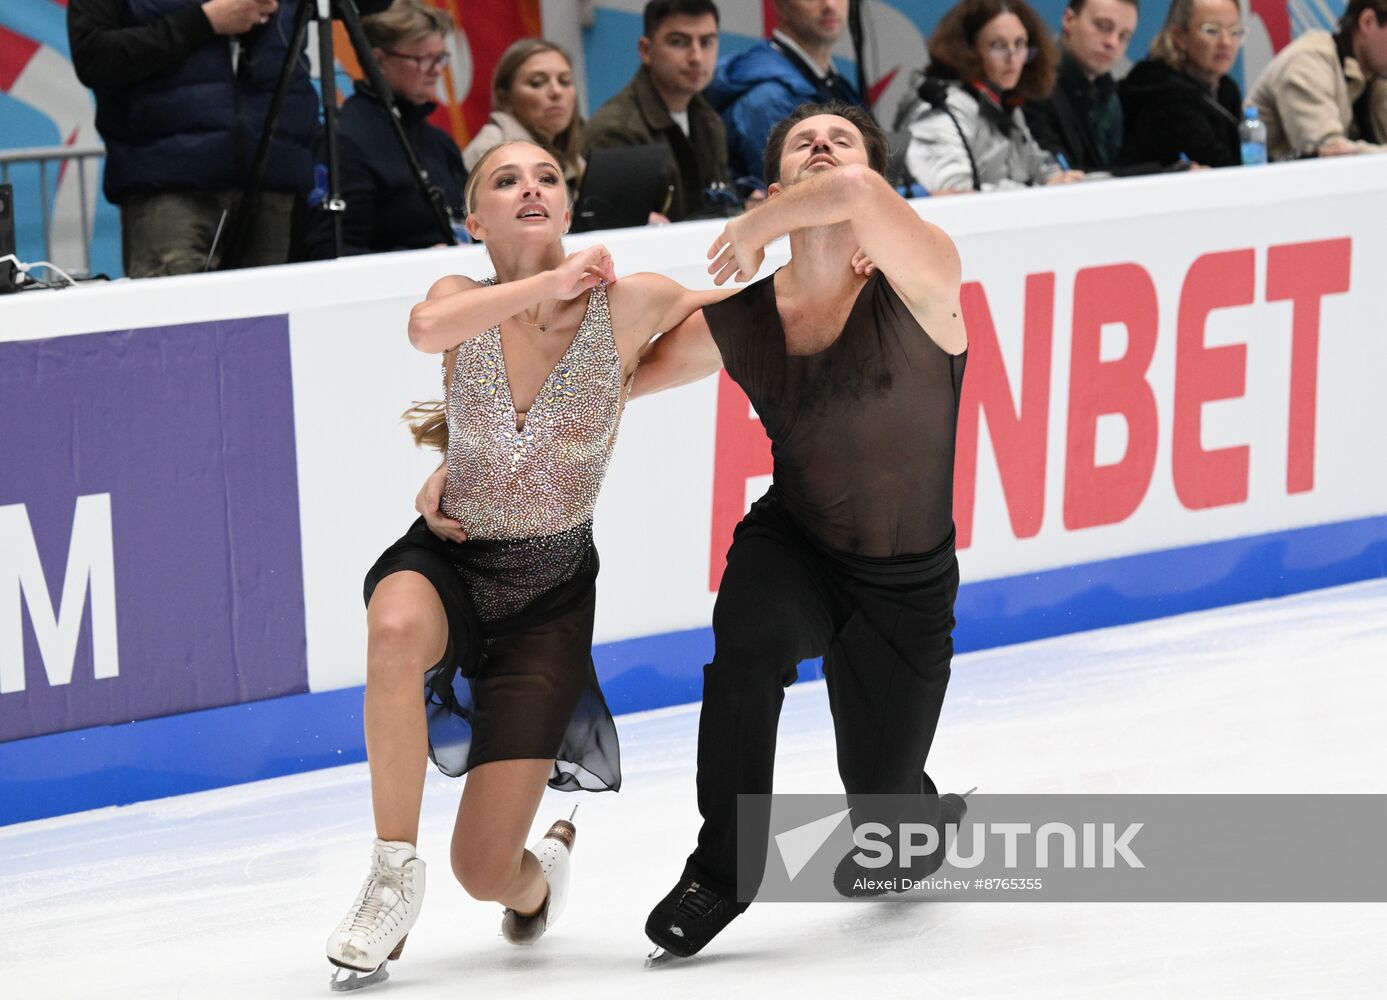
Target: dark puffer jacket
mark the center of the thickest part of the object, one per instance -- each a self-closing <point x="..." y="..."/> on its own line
<point x="1166" y="112"/>
<point x="174" y="112"/>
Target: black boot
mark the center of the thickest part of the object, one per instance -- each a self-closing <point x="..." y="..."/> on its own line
<point x="855" y="881"/>
<point x="689" y="917"/>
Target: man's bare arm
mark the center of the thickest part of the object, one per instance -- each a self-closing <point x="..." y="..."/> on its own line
<point x="683" y="355"/>
<point x="916" y="256"/>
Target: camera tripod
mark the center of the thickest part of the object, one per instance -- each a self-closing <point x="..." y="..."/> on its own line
<point x="349" y="13"/>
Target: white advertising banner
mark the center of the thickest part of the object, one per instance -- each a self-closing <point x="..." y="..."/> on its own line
<point x="1155" y="365"/>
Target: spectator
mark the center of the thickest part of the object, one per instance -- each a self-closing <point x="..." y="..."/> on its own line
<point x="533" y="100"/>
<point x="756" y="89"/>
<point x="967" y="133"/>
<point x="182" y="91"/>
<point x="1081" y="120"/>
<point x="385" y="210"/>
<point x="664" y="102"/>
<point x="1179" y="102"/>
<point x="1325" y="94"/>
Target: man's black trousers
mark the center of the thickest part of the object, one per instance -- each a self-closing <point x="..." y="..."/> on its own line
<point x="885" y="631"/>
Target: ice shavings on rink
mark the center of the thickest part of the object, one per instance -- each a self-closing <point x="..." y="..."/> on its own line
<point x="232" y="893"/>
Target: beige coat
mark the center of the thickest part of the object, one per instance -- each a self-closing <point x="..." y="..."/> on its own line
<point x="1306" y="98"/>
<point x="503" y="127"/>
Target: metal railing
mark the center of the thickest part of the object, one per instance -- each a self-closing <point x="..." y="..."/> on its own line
<point x="44" y="156"/>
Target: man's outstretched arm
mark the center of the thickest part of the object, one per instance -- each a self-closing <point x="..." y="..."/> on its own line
<point x="916" y="256"/>
<point x="685" y="354"/>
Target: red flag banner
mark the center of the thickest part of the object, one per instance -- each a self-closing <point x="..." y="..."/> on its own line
<point x="485" y="29"/>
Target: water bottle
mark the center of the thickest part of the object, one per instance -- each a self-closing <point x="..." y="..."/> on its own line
<point x="1253" y="135"/>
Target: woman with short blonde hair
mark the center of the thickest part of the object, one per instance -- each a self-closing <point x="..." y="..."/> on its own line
<point x="385" y="210"/>
<point x="1179" y="102"/>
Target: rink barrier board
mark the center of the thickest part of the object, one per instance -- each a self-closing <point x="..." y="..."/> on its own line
<point x="116" y="765"/>
<point x="1218" y="324"/>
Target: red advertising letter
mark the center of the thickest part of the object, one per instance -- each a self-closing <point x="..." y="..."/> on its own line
<point x="741" y="450"/>
<point x="1305" y="273"/>
<point x="1209" y="478"/>
<point x="1018" y="433"/>
<point x="1094" y="494"/>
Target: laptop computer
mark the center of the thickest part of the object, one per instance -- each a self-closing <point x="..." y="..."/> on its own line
<point x="621" y="187"/>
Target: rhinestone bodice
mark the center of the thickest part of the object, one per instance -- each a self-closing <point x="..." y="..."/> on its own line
<point x="542" y="479"/>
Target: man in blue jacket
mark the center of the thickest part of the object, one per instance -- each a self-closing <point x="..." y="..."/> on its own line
<point x="182" y="92"/>
<point x="757" y="89"/>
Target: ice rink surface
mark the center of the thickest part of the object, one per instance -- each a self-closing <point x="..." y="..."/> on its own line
<point x="232" y="893"/>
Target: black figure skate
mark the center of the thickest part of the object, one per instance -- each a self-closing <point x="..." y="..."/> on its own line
<point x="855" y="881"/>
<point x="686" y="920"/>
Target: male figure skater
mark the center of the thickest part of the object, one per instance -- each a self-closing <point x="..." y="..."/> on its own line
<point x="850" y="554"/>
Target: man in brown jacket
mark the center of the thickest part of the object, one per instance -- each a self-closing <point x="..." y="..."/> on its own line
<point x="664" y="103"/>
<point x="1327" y="93"/>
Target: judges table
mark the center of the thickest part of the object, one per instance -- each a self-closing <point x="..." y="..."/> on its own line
<point x="1174" y="400"/>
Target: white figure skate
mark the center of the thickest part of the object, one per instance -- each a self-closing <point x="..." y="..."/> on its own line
<point x="553" y="851"/>
<point x="374" y="929"/>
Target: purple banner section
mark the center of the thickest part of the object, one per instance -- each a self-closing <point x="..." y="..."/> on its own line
<point x="150" y="560"/>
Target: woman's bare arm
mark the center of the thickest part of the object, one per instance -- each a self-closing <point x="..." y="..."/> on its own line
<point x="647" y="304"/>
<point x="458" y="308"/>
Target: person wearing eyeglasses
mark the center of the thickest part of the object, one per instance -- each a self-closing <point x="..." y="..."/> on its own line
<point x="967" y="131"/>
<point x="1179" y="103"/>
<point x="1326" y="94"/>
<point x="1081" y="120"/>
<point x="385" y="209"/>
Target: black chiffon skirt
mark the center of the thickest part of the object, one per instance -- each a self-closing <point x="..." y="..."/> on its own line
<point x="517" y="679"/>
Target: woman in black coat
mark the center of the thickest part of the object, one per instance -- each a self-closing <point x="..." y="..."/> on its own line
<point x="385" y="210"/>
<point x="1180" y="100"/>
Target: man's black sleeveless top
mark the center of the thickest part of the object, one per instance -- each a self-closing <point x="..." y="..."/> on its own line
<point x="862" y="432"/>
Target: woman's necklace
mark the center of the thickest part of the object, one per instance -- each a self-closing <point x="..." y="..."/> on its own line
<point x="541" y="327"/>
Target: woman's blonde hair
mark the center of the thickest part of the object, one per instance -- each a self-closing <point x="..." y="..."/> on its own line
<point x="428" y="424"/>
<point x="404" y="22"/>
<point x="568" y="144"/>
<point x="1163" y="47"/>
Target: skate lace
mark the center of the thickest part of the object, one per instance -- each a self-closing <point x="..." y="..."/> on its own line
<point x="373" y="909"/>
<point x="696" y="901"/>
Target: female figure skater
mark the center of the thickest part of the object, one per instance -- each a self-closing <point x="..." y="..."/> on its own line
<point x="496" y="632"/>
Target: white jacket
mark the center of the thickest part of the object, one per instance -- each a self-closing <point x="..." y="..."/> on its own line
<point x="938" y="159"/>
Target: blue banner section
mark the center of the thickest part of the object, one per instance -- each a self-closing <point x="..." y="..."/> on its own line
<point x="115" y="765"/>
<point x="150" y="559"/>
